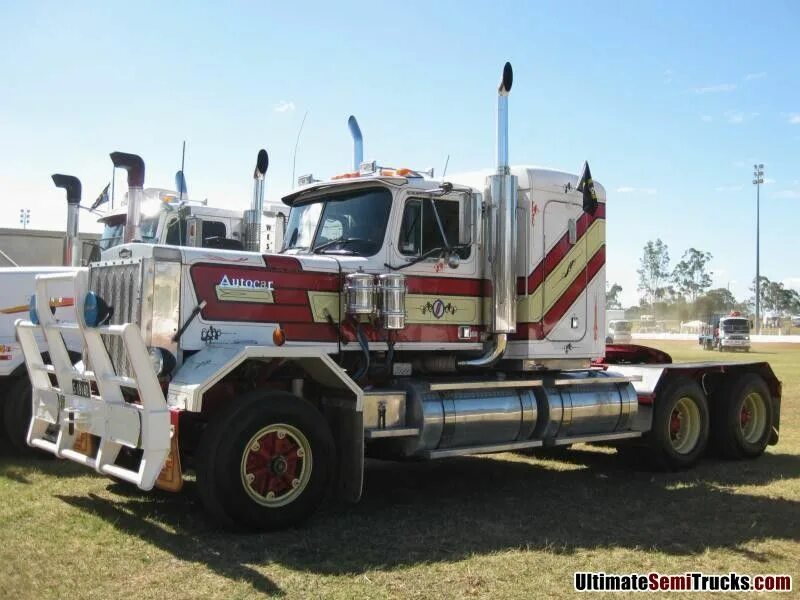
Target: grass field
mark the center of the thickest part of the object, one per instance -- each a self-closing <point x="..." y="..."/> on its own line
<point x="501" y="526"/>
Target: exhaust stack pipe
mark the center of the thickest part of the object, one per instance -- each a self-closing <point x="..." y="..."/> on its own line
<point x="253" y="216"/>
<point x="134" y="165"/>
<point x="501" y="194"/>
<point x="358" y="142"/>
<point x="72" y="242"/>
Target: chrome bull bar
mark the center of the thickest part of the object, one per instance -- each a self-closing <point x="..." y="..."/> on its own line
<point x="75" y="408"/>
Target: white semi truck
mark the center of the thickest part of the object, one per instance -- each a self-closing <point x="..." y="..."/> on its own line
<point x="165" y="217"/>
<point x="405" y="318"/>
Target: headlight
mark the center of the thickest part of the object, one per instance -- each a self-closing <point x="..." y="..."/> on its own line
<point x="32" y="314"/>
<point x="162" y="361"/>
<point x="95" y="310"/>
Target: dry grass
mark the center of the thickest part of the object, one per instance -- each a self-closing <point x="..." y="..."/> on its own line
<point x="505" y="526"/>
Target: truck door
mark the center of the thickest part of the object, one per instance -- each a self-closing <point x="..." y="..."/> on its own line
<point x="565" y="280"/>
<point x="443" y="304"/>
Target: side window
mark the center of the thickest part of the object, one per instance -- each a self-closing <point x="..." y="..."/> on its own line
<point x="420" y="232"/>
<point x="176" y="232"/>
<point x="213" y="229"/>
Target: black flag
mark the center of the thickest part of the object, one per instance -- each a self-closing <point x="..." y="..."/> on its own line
<point x="102" y="198"/>
<point x="586" y="186"/>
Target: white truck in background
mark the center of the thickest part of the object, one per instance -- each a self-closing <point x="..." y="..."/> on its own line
<point x="166" y="217"/>
<point x="618" y="328"/>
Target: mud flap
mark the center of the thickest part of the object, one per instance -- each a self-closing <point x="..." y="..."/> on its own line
<point x="348" y="431"/>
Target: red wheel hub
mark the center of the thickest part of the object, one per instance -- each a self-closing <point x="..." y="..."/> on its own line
<point x="745" y="416"/>
<point x="273" y="464"/>
<point x="674" y="423"/>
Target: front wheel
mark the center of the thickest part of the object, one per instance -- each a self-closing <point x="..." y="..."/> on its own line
<point x="267" y="463"/>
<point x="17" y="408"/>
<point x="680" y="424"/>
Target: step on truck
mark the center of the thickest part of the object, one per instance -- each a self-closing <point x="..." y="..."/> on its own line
<point x="405" y="317"/>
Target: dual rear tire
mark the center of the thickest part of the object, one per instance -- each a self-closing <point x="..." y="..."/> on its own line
<point x="737" y="425"/>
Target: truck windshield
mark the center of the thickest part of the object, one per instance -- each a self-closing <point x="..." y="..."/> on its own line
<point x="352" y="222"/>
<point x="736" y="326"/>
<point x="622" y="326"/>
<point x="114" y="230"/>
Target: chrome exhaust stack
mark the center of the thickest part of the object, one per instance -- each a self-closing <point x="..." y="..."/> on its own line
<point x="253" y="216"/>
<point x="72" y="244"/>
<point x="358" y="143"/>
<point x="501" y="243"/>
<point x="134" y="165"/>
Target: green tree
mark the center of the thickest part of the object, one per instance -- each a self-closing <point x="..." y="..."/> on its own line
<point x="612" y="296"/>
<point x="653" y="270"/>
<point x="691" y="274"/>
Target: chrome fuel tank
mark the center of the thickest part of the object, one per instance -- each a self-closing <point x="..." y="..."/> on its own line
<point x="572" y="405"/>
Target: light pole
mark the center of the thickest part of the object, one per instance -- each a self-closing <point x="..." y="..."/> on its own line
<point x="24" y="217"/>
<point x="758" y="179"/>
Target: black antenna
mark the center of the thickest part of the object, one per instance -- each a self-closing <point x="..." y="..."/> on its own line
<point x="297" y="142"/>
<point x="446" y="162"/>
<point x="113" y="174"/>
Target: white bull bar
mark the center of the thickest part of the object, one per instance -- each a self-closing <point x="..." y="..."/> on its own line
<point x="107" y="415"/>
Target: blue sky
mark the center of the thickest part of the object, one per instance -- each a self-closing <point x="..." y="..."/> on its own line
<point x="671" y="103"/>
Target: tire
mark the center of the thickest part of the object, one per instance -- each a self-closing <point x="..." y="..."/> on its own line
<point x="742" y="418"/>
<point x="260" y="443"/>
<point x="680" y="424"/>
<point x="17" y="416"/>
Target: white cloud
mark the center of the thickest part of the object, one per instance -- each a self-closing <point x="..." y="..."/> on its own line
<point x="728" y="188"/>
<point x="626" y="189"/>
<point x="707" y="118"/>
<point x="715" y="89"/>
<point x="792" y="282"/>
<point x="752" y="76"/>
<point x="787" y="194"/>
<point x="736" y="117"/>
<point x="794" y="118"/>
<point x="284" y="106"/>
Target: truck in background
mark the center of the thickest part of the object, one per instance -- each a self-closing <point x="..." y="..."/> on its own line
<point x="726" y="332"/>
<point x="405" y="318"/>
<point x="166" y="217"/>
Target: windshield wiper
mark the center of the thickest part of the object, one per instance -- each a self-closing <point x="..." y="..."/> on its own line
<point x="341" y="240"/>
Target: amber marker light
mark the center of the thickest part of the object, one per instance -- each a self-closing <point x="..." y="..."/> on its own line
<point x="278" y="337"/>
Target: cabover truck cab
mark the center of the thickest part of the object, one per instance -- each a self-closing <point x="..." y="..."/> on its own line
<point x="727" y="333"/>
<point x="404" y="318"/>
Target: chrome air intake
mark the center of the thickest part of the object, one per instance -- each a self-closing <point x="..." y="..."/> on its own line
<point x="359" y="292"/>
<point x="501" y="238"/>
<point x="392" y="295"/>
<point x="72" y="244"/>
<point x="134" y="165"/>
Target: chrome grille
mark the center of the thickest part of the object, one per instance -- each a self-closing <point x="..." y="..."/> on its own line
<point x="120" y="286"/>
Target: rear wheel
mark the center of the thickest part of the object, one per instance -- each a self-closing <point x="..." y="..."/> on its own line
<point x="743" y="418"/>
<point x="680" y="424"/>
<point x="267" y="463"/>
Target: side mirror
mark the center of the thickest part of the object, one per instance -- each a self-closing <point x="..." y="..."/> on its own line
<point x="194" y="232"/>
<point x="475" y="215"/>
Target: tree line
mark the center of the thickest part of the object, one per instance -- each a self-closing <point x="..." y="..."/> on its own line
<point x="684" y="291"/>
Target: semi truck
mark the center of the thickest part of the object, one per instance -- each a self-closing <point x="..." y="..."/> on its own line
<point x="726" y="332"/>
<point x="165" y="217"/>
<point x="405" y="318"/>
